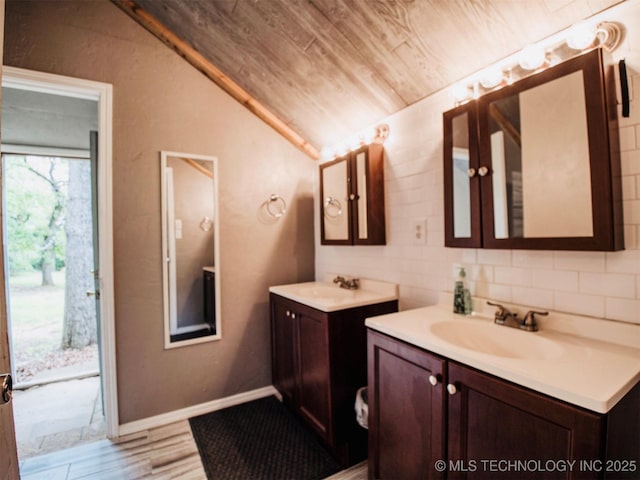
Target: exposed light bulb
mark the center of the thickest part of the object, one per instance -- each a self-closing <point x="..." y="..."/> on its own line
<point x="491" y="77"/>
<point x="581" y="35"/>
<point x="532" y="57"/>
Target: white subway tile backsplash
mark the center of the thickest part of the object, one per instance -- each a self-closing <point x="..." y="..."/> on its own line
<point x="608" y="284"/>
<point x="562" y="281"/>
<point x="630" y="162"/>
<point x="494" y="257"/>
<point x="532" y="258"/>
<point x="631" y="212"/>
<point x="629" y="187"/>
<point x="628" y="138"/>
<point x="513" y="276"/>
<point x="624" y="310"/>
<point x="625" y="261"/>
<point x="501" y="293"/>
<point x="631" y="237"/>
<point x="534" y="297"/>
<point x="579" y="261"/>
<point x="591" y="305"/>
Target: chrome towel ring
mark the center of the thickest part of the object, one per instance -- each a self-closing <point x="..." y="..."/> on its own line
<point x="276" y="206"/>
<point x="332" y="207"/>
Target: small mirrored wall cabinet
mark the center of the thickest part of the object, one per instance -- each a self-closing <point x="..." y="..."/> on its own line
<point x="352" y="210"/>
<point x="536" y="164"/>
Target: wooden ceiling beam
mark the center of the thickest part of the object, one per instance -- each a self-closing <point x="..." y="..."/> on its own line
<point x="192" y="56"/>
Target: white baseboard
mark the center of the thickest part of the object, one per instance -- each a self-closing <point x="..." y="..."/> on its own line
<point x="195" y="410"/>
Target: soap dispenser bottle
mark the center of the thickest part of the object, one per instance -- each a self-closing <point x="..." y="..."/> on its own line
<point x="458" y="293"/>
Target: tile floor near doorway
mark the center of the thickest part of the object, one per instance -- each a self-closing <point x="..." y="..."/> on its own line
<point x="57" y="416"/>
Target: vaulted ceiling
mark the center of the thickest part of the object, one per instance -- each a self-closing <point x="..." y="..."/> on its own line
<point x="321" y="70"/>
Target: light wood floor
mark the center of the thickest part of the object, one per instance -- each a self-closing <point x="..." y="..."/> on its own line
<point x="162" y="453"/>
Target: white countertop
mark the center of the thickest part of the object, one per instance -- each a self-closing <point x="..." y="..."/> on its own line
<point x="329" y="297"/>
<point x="593" y="373"/>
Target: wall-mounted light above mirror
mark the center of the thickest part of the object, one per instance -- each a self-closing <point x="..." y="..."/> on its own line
<point x="191" y="250"/>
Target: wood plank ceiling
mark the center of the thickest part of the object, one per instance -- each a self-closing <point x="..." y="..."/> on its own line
<point x="329" y="68"/>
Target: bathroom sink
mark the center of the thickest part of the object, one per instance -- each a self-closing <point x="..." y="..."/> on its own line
<point x="489" y="338"/>
<point x="324" y="292"/>
<point x="329" y="297"/>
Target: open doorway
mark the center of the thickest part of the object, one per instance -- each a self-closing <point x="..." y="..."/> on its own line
<point x="53" y="322"/>
<point x="58" y="257"/>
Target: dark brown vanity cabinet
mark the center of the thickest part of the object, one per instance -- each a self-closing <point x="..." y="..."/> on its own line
<point x="406" y="413"/>
<point x="352" y="210"/>
<point x="319" y="360"/>
<point x="424" y="408"/>
<point x="536" y="164"/>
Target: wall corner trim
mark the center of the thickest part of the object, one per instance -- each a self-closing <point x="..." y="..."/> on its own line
<point x="195" y="410"/>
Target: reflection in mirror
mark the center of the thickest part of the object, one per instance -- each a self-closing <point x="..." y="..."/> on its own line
<point x="191" y="272"/>
<point x="461" y="186"/>
<point x="335" y="201"/>
<point x="361" y="182"/>
<point x="540" y="162"/>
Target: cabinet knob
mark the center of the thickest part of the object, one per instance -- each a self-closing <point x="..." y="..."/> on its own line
<point x="451" y="388"/>
<point x="482" y="171"/>
<point x="433" y="380"/>
<point x="471" y="172"/>
<point x="293" y="315"/>
<point x="352" y="196"/>
<point x="288" y="313"/>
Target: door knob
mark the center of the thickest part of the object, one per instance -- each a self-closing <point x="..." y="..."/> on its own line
<point x="7" y="389"/>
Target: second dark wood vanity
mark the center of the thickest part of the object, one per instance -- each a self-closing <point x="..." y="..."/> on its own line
<point x="441" y="414"/>
<point x="319" y="361"/>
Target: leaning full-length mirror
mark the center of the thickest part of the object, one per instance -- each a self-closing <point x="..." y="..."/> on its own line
<point x="190" y="247"/>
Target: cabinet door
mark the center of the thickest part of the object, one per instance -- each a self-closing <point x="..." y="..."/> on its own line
<point x="491" y="420"/>
<point x="367" y="183"/>
<point x="282" y="350"/>
<point x="335" y="188"/>
<point x="406" y="412"/>
<point x="314" y="392"/>
<point x="462" y="222"/>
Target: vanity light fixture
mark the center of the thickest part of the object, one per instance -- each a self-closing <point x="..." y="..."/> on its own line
<point x="575" y="40"/>
<point x="581" y="35"/>
<point x="377" y="134"/>
<point x="532" y="57"/>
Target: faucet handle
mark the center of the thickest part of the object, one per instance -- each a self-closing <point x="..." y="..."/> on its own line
<point x="530" y="319"/>
<point x="502" y="310"/>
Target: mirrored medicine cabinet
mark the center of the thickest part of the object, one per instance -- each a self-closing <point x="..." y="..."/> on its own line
<point x="352" y="210"/>
<point x="190" y="248"/>
<point x="536" y="165"/>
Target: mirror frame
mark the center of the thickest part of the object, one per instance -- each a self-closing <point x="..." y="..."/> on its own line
<point x="164" y="154"/>
<point x="475" y="240"/>
<point x="373" y="190"/>
<point x="604" y="160"/>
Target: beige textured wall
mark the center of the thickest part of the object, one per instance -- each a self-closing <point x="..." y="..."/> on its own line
<point x="161" y="103"/>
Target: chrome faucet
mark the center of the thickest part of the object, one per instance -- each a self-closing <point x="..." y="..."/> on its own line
<point x="351" y="284"/>
<point x="504" y="317"/>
